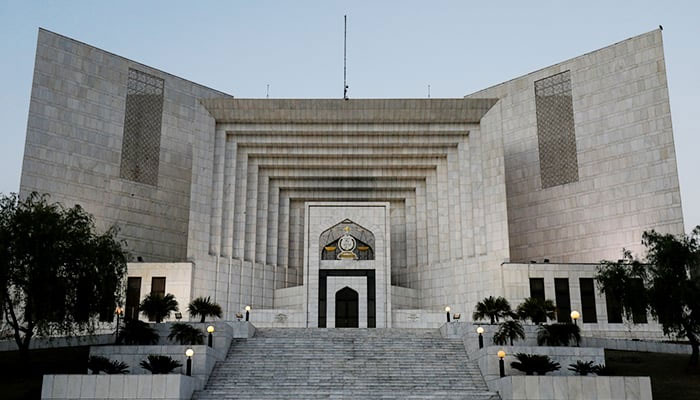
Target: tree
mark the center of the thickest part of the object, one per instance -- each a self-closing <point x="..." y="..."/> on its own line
<point x="509" y="331"/>
<point x="494" y="308"/>
<point x="57" y="275"/>
<point x="536" y="310"/>
<point x="157" y="307"/>
<point x="204" y="307"/>
<point x="159" y="364"/>
<point x="667" y="285"/>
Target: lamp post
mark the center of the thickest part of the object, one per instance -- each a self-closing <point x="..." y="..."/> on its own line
<point x="119" y="312"/>
<point x="247" y="312"/>
<point x="210" y="329"/>
<point x="189" y="353"/>
<point x="447" y="310"/>
<point x="480" y="331"/>
<point x="575" y="315"/>
<point x="501" y="363"/>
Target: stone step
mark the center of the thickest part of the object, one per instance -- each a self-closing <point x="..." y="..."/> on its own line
<point x="312" y="363"/>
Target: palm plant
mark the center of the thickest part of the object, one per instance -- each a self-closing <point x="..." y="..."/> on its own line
<point x="157" y="307"/>
<point x="204" y="307"/>
<point x="138" y="332"/>
<point x="494" y="308"/>
<point x="536" y="310"/>
<point x="582" y="368"/>
<point x="158" y="364"/>
<point x="186" y="334"/>
<point x="509" y="331"/>
<point x="534" y="363"/>
<point x="98" y="364"/>
<point x="558" y="334"/>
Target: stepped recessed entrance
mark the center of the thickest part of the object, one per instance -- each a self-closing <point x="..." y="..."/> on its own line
<point x="346" y="308"/>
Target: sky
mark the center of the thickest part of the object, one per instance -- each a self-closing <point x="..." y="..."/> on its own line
<point x="395" y="50"/>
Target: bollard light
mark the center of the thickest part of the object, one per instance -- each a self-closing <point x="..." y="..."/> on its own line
<point x="480" y="331"/>
<point x="575" y="315"/>
<point x="501" y="363"/>
<point x="210" y="329"/>
<point x="119" y="312"/>
<point x="247" y="313"/>
<point x="447" y="310"/>
<point x="189" y="353"/>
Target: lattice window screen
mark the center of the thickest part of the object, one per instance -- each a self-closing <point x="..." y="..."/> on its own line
<point x="555" y="130"/>
<point x="142" y="128"/>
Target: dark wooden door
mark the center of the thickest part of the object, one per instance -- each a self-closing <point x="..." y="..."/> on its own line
<point x="346" y="308"/>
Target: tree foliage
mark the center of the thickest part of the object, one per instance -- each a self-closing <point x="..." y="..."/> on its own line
<point x="158" y="307"/>
<point x="667" y="285"/>
<point x="159" y="364"/>
<point x="558" y="334"/>
<point x="493" y="308"/>
<point x="536" y="310"/>
<point x="204" y="307"/>
<point x="186" y="334"/>
<point x="98" y="364"/>
<point x="57" y="274"/>
<point x="138" y="332"/>
<point x="534" y="363"/>
<point x="509" y="331"/>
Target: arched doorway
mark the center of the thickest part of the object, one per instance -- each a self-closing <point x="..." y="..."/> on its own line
<point x="346" y="308"/>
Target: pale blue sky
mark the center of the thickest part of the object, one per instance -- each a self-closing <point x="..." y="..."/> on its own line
<point x="395" y="50"/>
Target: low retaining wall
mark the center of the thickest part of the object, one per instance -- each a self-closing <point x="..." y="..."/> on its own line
<point x="574" y="387"/>
<point x="172" y="387"/>
<point x="637" y="345"/>
<point x="487" y="359"/>
<point x="202" y="362"/>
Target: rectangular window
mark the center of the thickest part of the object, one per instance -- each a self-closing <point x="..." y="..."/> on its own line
<point x="556" y="137"/>
<point x="142" y="128"/>
<point x="613" y="307"/>
<point x="537" y="288"/>
<point x="639" y="314"/>
<point x="158" y="286"/>
<point x="563" y="298"/>
<point x="588" y="312"/>
<point x="133" y="298"/>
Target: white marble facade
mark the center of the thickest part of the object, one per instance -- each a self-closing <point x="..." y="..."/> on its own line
<point x="451" y="187"/>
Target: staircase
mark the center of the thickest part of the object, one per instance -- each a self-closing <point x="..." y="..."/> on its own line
<point x="312" y="363"/>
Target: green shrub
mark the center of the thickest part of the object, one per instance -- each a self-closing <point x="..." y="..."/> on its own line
<point x="602" y="370"/>
<point x="508" y="331"/>
<point x="492" y="308"/>
<point x="558" y="334"/>
<point x="582" y="368"/>
<point x="204" y="307"/>
<point x="98" y="364"/>
<point x="534" y="363"/>
<point x="157" y="307"/>
<point x="186" y="334"/>
<point x="159" y="364"/>
<point x="536" y="310"/>
<point x="138" y="332"/>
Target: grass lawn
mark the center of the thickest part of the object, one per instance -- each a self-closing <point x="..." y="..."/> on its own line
<point x="671" y="378"/>
<point x="18" y="383"/>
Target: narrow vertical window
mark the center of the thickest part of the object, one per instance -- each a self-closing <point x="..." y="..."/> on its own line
<point x="133" y="297"/>
<point x="142" y="128"/>
<point x="588" y="311"/>
<point x="158" y="286"/>
<point x="639" y="313"/>
<point x="537" y="288"/>
<point x="563" y="299"/>
<point x="613" y="307"/>
<point x="556" y="137"/>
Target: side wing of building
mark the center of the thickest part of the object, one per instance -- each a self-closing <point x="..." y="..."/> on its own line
<point x="120" y="139"/>
<point x="589" y="154"/>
